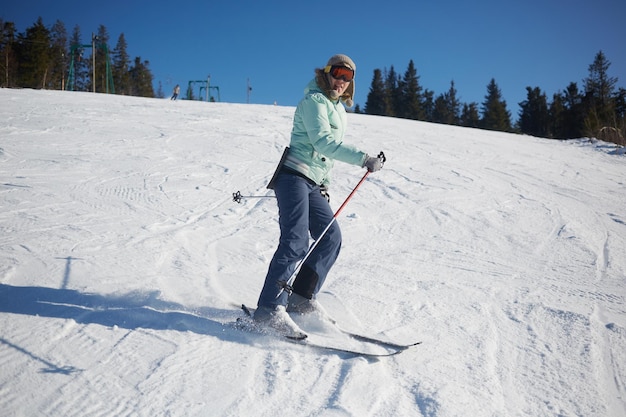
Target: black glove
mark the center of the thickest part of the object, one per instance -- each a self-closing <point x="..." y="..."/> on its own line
<point x="373" y="164"/>
<point x="324" y="192"/>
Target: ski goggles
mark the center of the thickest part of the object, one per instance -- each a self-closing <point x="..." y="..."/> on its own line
<point x="339" y="72"/>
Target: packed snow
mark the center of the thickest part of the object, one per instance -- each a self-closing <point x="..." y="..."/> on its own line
<point x="123" y="260"/>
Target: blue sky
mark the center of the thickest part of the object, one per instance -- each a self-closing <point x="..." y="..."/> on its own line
<point x="277" y="44"/>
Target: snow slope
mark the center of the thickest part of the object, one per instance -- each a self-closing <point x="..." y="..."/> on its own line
<point x="122" y="254"/>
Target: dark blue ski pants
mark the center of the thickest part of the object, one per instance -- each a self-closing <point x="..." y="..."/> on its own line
<point x="302" y="211"/>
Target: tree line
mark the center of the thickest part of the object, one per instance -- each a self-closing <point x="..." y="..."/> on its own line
<point x="42" y="57"/>
<point x="597" y="110"/>
<point x="49" y="58"/>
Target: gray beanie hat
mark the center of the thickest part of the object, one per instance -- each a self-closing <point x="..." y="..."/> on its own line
<point x="344" y="60"/>
<point x="341" y="59"/>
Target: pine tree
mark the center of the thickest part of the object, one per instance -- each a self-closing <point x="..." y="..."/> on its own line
<point x="469" y="115"/>
<point x="375" y="103"/>
<point x="393" y="95"/>
<point x="599" y="92"/>
<point x="9" y="62"/>
<point x="534" y="114"/>
<point x="620" y="102"/>
<point x="102" y="60"/>
<point x="59" y="56"/>
<point x="440" y="110"/>
<point x="454" y="105"/>
<point x="557" y="116"/>
<point x="620" y="113"/>
<point x="121" y="67"/>
<point x="141" y="79"/>
<point x="447" y="107"/>
<point x="34" y="56"/>
<point x="411" y="95"/>
<point x="574" y="112"/>
<point x="81" y="62"/>
<point x="428" y="105"/>
<point x="495" y="115"/>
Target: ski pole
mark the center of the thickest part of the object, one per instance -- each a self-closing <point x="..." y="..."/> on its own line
<point x="288" y="285"/>
<point x="237" y="196"/>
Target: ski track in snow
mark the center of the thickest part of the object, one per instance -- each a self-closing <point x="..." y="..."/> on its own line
<point x="123" y="258"/>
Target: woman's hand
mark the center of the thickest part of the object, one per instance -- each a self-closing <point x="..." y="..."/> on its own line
<point x="373" y="163"/>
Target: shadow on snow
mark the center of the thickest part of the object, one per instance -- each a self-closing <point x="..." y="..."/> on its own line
<point x="136" y="310"/>
<point x="130" y="311"/>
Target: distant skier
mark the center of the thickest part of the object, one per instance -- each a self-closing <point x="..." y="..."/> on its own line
<point x="176" y="92"/>
<point x="301" y="189"/>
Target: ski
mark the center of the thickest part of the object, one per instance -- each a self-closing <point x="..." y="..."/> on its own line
<point x="248" y="325"/>
<point x="369" y="339"/>
<point x="389" y="348"/>
<point x="308" y="343"/>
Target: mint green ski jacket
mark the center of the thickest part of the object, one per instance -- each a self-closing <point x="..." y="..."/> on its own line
<point x="317" y="137"/>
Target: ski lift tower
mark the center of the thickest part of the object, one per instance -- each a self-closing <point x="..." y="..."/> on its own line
<point x="78" y="49"/>
<point x="204" y="87"/>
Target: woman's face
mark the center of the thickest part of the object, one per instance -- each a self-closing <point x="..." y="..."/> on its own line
<point x="339" y="85"/>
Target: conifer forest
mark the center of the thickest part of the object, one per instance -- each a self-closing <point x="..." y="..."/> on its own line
<point x="43" y="57"/>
